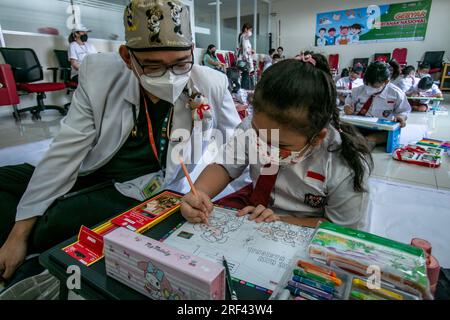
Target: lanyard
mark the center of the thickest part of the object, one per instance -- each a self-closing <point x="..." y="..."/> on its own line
<point x="164" y="131"/>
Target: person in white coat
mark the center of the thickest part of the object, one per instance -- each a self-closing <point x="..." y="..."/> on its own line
<point x="126" y="126"/>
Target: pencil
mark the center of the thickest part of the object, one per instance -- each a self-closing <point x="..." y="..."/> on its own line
<point x="191" y="184"/>
<point x="229" y="281"/>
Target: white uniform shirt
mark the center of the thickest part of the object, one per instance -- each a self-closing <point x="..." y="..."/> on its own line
<point x="319" y="186"/>
<point x="406" y="83"/>
<point x="389" y="103"/>
<point x="246" y="47"/>
<point x="432" y="92"/>
<point x="344" y="83"/>
<point x="78" y="52"/>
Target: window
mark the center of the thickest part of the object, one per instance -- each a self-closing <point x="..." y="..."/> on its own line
<point x="205" y="23"/>
<point x="105" y="18"/>
<point x="206" y="20"/>
<point x="228" y="27"/>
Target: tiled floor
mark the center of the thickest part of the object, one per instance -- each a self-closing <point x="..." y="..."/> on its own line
<point x="419" y="124"/>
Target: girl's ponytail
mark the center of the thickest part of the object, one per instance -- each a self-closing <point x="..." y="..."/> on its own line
<point x="354" y="150"/>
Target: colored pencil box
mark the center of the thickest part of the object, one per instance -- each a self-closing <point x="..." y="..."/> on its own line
<point x="360" y="253"/>
<point x="159" y="271"/>
<point x="420" y="155"/>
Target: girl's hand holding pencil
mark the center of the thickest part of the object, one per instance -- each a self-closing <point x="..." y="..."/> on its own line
<point x="196" y="205"/>
<point x="196" y="208"/>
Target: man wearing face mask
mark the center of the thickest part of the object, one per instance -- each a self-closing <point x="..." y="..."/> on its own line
<point x="378" y="98"/>
<point x="79" y="48"/>
<point x="127" y="120"/>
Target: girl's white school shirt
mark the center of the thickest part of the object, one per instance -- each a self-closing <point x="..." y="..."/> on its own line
<point x="319" y="186"/>
<point x="344" y="83"/>
<point x="432" y="92"/>
<point x="389" y="103"/>
<point x="406" y="83"/>
<point x="79" y="52"/>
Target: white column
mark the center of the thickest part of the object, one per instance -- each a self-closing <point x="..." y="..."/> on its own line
<point x="2" y="40"/>
<point x="218" y="44"/>
<point x="238" y="27"/>
<point x="255" y="22"/>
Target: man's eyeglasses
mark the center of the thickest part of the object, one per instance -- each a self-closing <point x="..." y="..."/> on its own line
<point x="155" y="70"/>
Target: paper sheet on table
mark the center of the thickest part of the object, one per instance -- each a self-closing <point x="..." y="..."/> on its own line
<point x="359" y="119"/>
<point x="256" y="253"/>
<point x="401" y="212"/>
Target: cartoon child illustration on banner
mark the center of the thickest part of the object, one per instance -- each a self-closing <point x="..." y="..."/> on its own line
<point x="321" y="41"/>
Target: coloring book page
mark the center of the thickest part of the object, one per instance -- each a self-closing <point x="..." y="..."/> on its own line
<point x="258" y="253"/>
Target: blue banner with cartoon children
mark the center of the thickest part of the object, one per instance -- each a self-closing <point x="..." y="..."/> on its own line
<point x="391" y="22"/>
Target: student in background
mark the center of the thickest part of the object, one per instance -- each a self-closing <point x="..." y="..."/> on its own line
<point x="320" y="170"/>
<point x="79" y="48"/>
<point x="275" y="59"/>
<point x="345" y="73"/>
<point x="245" y="57"/>
<point x="348" y="83"/>
<point x="268" y="59"/>
<point x="407" y="79"/>
<point x="378" y="98"/>
<point x="280" y="52"/>
<point x="210" y="59"/>
<point x="395" y="69"/>
<point x="423" y="70"/>
<point x="424" y="88"/>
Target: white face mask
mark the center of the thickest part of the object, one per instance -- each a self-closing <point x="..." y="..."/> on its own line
<point x="249" y="34"/>
<point x="281" y="157"/>
<point x="168" y="87"/>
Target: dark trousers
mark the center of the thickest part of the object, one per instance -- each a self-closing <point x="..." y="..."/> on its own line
<point x="90" y="201"/>
<point x="247" y="81"/>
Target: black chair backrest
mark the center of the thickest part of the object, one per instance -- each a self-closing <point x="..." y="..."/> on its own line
<point x="434" y="58"/>
<point x="363" y="61"/>
<point x="24" y="63"/>
<point x="63" y="58"/>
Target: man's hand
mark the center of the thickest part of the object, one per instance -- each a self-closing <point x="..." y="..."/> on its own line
<point x="12" y="255"/>
<point x="401" y="120"/>
<point x="259" y="214"/>
<point x="196" y="209"/>
<point x="348" y="109"/>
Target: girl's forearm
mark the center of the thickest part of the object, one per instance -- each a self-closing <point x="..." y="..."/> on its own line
<point x="306" y="222"/>
<point x="213" y="180"/>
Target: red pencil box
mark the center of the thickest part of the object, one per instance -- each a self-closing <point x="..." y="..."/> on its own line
<point x="422" y="156"/>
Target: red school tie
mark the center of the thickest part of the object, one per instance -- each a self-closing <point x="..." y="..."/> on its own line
<point x="350" y="85"/>
<point x="263" y="188"/>
<point x="368" y="104"/>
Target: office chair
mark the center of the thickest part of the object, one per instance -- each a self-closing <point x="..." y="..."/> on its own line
<point x="27" y="69"/>
<point x="8" y="89"/>
<point x="400" y="55"/>
<point x="364" y="62"/>
<point x="333" y="61"/>
<point x="384" y="57"/>
<point x="66" y="69"/>
<point x="434" y="59"/>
